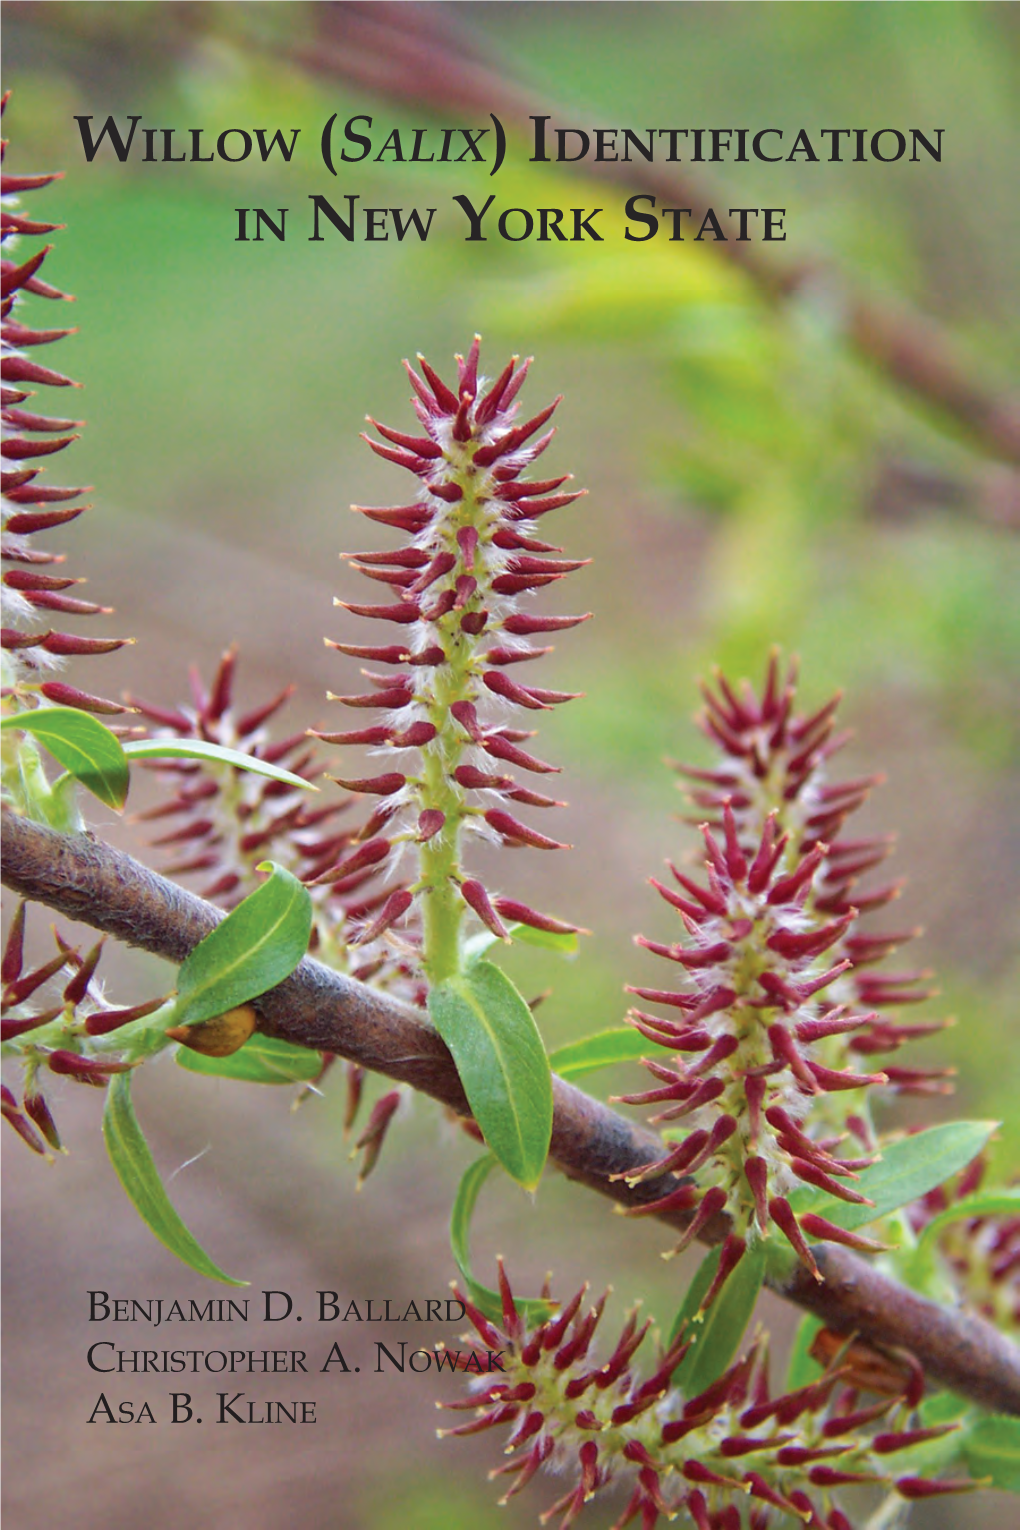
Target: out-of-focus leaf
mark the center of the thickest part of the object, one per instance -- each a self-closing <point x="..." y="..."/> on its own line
<point x="991" y="1448"/>
<point x="802" y="1367"/>
<point x="984" y="1203"/>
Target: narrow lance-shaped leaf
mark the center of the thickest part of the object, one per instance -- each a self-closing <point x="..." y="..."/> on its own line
<point x="939" y="1457"/>
<point x="255" y="947"/>
<point x="262" y="1060"/>
<point x="564" y="942"/>
<point x="943" y="1408"/>
<point x="991" y="1448"/>
<point x="802" y="1368"/>
<point x="132" y="1160"/>
<point x="621" y="1044"/>
<point x="907" y="1170"/>
<point x="200" y="749"/>
<point x="986" y="1203"/>
<point x="502" y="1064"/>
<point x="715" y="1335"/>
<point x="533" y="1309"/>
<point x="84" y="746"/>
<point x="945" y="1455"/>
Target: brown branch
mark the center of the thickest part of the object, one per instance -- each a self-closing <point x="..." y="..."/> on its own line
<point x="85" y="879"/>
<point x="417" y="55"/>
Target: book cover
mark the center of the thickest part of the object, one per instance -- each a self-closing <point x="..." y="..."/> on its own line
<point x="768" y="256"/>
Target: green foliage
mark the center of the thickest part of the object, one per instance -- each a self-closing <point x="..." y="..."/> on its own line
<point x="991" y="1448"/>
<point x="785" y="448"/>
<point x="919" y="1261"/>
<point x="986" y="1445"/>
<point x="907" y="1170"/>
<point x="715" y="1335"/>
<point x="132" y="1160"/>
<point x="802" y="1368"/>
<point x="502" y="1064"/>
<point x="200" y="749"/>
<point x="83" y="745"/>
<point x="621" y="1044"/>
<point x="256" y="946"/>
<point x="262" y="1060"/>
<point x="94" y="756"/>
<point x="565" y="943"/>
<point x="533" y="1309"/>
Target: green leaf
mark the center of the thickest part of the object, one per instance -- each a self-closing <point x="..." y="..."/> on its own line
<point x="258" y="944"/>
<point x="716" y="1334"/>
<point x="565" y="942"/>
<point x="130" y="1156"/>
<point x="502" y="1064"/>
<point x="802" y="1368"/>
<point x="943" y="1408"/>
<point x="696" y="1291"/>
<point x="262" y="1060"/>
<point x="478" y="944"/>
<point x="601" y="1050"/>
<point x="533" y="1308"/>
<point x="199" y="749"/>
<point x="566" y="945"/>
<point x="907" y="1170"/>
<point x="940" y="1457"/>
<point x="991" y="1448"/>
<point x="986" y="1203"/>
<point x="919" y="1266"/>
<point x="83" y="745"/>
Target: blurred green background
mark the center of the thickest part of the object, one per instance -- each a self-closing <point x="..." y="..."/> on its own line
<point x="752" y="481"/>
